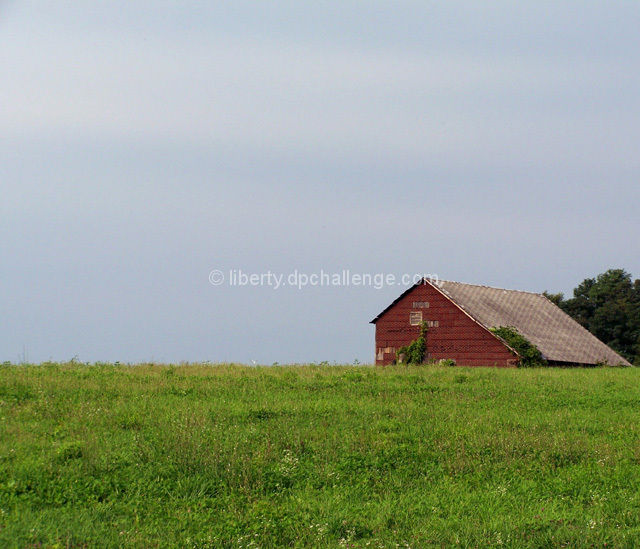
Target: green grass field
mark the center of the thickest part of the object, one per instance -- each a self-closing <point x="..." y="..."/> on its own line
<point x="204" y="456"/>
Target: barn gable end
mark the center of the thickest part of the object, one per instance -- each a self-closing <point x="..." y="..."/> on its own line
<point x="452" y="334"/>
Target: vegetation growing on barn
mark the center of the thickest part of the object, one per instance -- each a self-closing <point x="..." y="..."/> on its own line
<point x="530" y="355"/>
<point x="415" y="352"/>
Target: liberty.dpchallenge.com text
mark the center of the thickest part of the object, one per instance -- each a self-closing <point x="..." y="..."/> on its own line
<point x="298" y="279"/>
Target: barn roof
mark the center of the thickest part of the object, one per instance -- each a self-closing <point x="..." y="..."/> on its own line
<point x="558" y="336"/>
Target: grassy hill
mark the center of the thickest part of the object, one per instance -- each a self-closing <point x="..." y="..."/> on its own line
<point x="317" y="456"/>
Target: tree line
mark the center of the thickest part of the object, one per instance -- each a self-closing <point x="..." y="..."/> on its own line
<point x="609" y="307"/>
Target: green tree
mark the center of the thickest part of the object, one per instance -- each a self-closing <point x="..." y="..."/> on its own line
<point x="554" y="298"/>
<point x="609" y="307"/>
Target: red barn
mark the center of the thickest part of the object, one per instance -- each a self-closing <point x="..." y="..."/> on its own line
<point x="459" y="318"/>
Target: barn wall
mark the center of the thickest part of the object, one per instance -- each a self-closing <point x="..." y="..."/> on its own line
<point x="455" y="336"/>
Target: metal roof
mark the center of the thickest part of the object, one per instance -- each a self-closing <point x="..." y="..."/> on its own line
<point x="558" y="336"/>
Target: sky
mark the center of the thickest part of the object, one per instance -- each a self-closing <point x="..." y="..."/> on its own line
<point x="144" y="146"/>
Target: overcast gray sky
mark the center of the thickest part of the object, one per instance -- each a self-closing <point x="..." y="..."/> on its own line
<point x="145" y="144"/>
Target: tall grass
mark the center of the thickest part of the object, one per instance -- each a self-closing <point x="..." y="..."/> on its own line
<point x="308" y="456"/>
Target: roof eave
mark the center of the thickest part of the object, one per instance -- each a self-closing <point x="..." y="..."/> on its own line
<point x="410" y="288"/>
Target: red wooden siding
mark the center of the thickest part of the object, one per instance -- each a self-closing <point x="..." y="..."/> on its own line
<point x="456" y="336"/>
